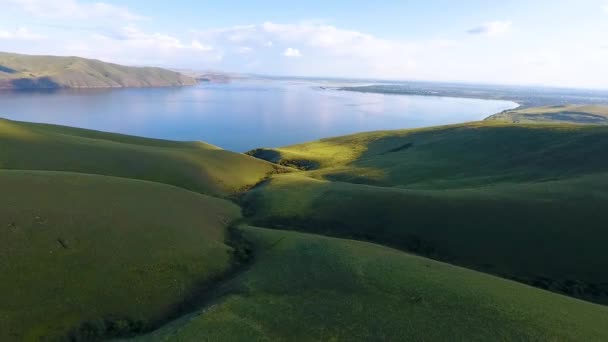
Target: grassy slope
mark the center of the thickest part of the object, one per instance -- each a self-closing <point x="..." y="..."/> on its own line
<point x="25" y="71"/>
<point x="466" y="155"/>
<point x="191" y="165"/>
<point x="311" y="288"/>
<point x="77" y="248"/>
<point x="582" y="114"/>
<point x="518" y="201"/>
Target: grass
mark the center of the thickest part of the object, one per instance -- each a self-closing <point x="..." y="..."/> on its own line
<point x="466" y="155"/>
<point x="92" y="255"/>
<point x="106" y="235"/>
<point x="515" y="201"/>
<point x="578" y="114"/>
<point x="194" y="166"/>
<point x="26" y="71"/>
<point x="312" y="288"/>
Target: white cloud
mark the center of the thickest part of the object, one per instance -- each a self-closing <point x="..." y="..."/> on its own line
<point x="244" y="50"/>
<point x="367" y="54"/>
<point x="21" y="33"/>
<point x="74" y="9"/>
<point x="132" y="35"/>
<point x="605" y="8"/>
<point x="197" y="45"/>
<point x="133" y="46"/>
<point x="491" y="29"/>
<point x="291" y="52"/>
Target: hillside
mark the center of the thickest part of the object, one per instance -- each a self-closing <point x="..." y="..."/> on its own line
<point x="92" y="256"/>
<point x="52" y="72"/>
<point x="310" y="288"/>
<point x="194" y="166"/>
<point x="518" y="201"/>
<point x="89" y="255"/>
<point x="576" y="114"/>
<point x="106" y="235"/>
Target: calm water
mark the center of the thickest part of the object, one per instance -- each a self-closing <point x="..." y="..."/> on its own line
<point x="243" y="115"/>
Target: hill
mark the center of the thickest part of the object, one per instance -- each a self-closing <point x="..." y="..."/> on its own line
<point x="576" y="114"/>
<point x="310" y="288"/>
<point x="519" y="201"/>
<point x="105" y="235"/>
<point x="90" y="256"/>
<point x="194" y="166"/>
<point x="52" y="72"/>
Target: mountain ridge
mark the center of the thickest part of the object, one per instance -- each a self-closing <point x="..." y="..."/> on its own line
<point x="20" y="72"/>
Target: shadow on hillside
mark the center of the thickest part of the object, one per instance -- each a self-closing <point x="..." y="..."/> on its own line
<point x="573" y="117"/>
<point x="35" y="83"/>
<point x="276" y="157"/>
<point x="7" y="70"/>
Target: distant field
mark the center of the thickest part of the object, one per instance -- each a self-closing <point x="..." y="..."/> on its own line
<point x="582" y="114"/>
<point x="312" y="288"/>
<point x="516" y="201"/>
<point x="90" y="256"/>
<point x="191" y="165"/>
<point x="51" y="72"/>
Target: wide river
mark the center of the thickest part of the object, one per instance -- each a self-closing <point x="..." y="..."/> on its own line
<point x="241" y="115"/>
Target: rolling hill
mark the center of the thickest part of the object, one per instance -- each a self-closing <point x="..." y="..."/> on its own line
<point x="109" y="236"/>
<point x="194" y="166"/>
<point x="521" y="201"/>
<point x="310" y="288"/>
<point x="87" y="256"/>
<point x="52" y="72"/>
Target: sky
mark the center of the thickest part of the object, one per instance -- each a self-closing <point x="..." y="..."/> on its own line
<point x="554" y="43"/>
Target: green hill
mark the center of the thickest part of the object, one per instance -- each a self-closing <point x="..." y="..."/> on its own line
<point x="105" y="235"/>
<point x="522" y="202"/>
<point x="91" y="256"/>
<point x="194" y="166"/>
<point x="51" y="72"/>
<point x="310" y="288"/>
<point x="577" y="114"/>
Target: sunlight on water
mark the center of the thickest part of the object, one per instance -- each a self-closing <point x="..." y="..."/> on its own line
<point x="242" y="115"/>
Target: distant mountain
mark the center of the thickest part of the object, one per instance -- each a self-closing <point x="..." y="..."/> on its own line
<point x="51" y="72"/>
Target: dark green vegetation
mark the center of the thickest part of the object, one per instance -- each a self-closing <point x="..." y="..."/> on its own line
<point x="91" y="256"/>
<point x="522" y="202"/>
<point x="105" y="235"/>
<point x="311" y="288"/>
<point x="51" y="72"/>
<point x="597" y="115"/>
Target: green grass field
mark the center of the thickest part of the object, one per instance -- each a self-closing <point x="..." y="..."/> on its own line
<point x="311" y="288"/>
<point x="457" y="156"/>
<point x="107" y="235"/>
<point x="49" y="72"/>
<point x="78" y="248"/>
<point x="191" y="165"/>
<point x="579" y="114"/>
<point x="524" y="202"/>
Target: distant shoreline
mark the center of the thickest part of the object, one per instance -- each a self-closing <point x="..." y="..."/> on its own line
<point x="523" y="97"/>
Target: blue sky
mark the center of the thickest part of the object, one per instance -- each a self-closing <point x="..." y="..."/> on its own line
<point x="559" y="43"/>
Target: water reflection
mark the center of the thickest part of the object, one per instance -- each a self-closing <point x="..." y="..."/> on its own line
<point x="240" y="116"/>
